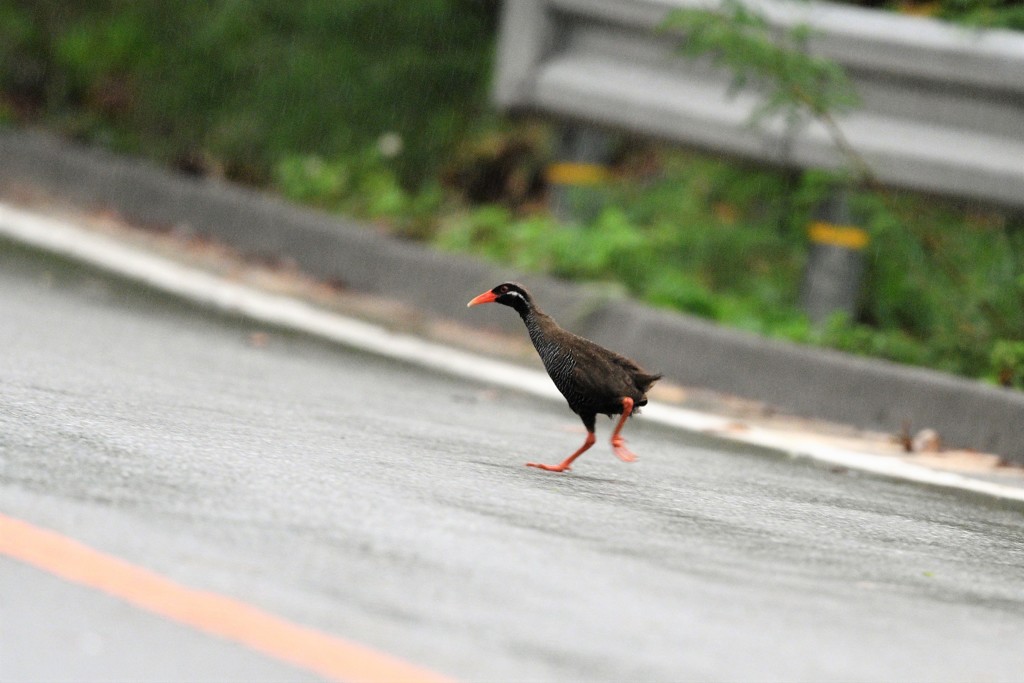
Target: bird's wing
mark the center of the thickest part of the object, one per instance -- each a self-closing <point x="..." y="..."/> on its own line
<point x="597" y="367"/>
<point x="616" y="366"/>
<point x="625" y="363"/>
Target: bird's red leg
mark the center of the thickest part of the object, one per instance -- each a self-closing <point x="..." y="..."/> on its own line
<point x="618" y="441"/>
<point x="564" y="465"/>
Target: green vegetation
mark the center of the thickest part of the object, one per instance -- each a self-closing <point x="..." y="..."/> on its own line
<point x="728" y="244"/>
<point x="980" y="13"/>
<point x="359" y="108"/>
<point x="1008" y="362"/>
<point x="795" y="84"/>
<point x="798" y="85"/>
<point x="233" y="86"/>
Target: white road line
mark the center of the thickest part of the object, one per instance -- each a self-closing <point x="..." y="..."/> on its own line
<point x="67" y="239"/>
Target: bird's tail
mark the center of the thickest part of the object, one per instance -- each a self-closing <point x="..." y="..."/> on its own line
<point x="643" y="383"/>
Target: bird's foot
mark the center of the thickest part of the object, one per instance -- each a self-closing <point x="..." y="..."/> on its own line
<point x="563" y="467"/>
<point x="619" y="448"/>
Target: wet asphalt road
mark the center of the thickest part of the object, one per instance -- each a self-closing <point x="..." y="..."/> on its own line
<point x="390" y="506"/>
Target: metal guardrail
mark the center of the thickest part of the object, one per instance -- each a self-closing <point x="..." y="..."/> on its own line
<point x="942" y="106"/>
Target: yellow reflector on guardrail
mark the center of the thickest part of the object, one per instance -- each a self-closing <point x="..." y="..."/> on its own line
<point x="569" y="173"/>
<point x="848" y="236"/>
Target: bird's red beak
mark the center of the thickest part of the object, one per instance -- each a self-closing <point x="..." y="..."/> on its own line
<point x="485" y="298"/>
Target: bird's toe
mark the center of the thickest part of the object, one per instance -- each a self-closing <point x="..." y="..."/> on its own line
<point x="620" y="450"/>
<point x="549" y="468"/>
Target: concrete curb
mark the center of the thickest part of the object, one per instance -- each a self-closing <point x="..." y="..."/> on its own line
<point x="795" y="379"/>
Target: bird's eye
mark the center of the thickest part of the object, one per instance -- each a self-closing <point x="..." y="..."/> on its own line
<point x="504" y="289"/>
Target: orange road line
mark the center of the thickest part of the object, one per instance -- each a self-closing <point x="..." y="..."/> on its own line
<point x="323" y="654"/>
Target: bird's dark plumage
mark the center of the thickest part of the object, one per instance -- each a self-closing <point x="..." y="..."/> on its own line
<point x="592" y="379"/>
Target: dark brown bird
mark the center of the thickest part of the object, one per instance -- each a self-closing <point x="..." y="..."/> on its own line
<point x="592" y="378"/>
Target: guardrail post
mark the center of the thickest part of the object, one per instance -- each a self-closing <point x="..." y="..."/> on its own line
<point x="836" y="260"/>
<point x="575" y="178"/>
